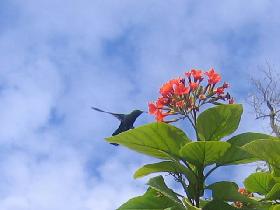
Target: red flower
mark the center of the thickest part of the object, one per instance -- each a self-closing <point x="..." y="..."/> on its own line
<point x="245" y="192"/>
<point x="181" y="96"/>
<point x="152" y="108"/>
<point x="180" y="104"/>
<point x="242" y="190"/>
<point x="194" y="85"/>
<point x="166" y="89"/>
<point x="213" y="77"/>
<point x="160" y="115"/>
<point x="181" y="89"/>
<point x="161" y="102"/>
<point x="197" y="74"/>
<point x="219" y="90"/>
<point x="176" y="81"/>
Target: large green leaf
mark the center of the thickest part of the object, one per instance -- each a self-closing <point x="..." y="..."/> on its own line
<point x="159" y="140"/>
<point x="158" y="184"/>
<point x="219" y="121"/>
<point x="235" y="155"/>
<point x="276" y="171"/>
<point x="276" y="178"/>
<point x="228" y="191"/>
<point x="274" y="193"/>
<point x="221" y="205"/>
<point x="267" y="150"/>
<point x="151" y="200"/>
<point x="276" y="207"/>
<point x="245" y="138"/>
<point x="164" y="166"/>
<point x="260" y="182"/>
<point x="218" y="205"/>
<point x="203" y="153"/>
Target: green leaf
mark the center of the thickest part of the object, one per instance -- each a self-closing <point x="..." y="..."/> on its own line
<point x="245" y="138"/>
<point x="221" y="205"/>
<point x="267" y="150"/>
<point x="260" y="182"/>
<point x="274" y="193"/>
<point x="275" y="171"/>
<point x="228" y="191"/>
<point x="218" y="205"/>
<point x="235" y="155"/>
<point x="203" y="153"/>
<point x="189" y="205"/>
<point x="219" y="121"/>
<point x="164" y="166"/>
<point x="203" y="202"/>
<point x="276" y="178"/>
<point x="159" y="140"/>
<point x="158" y="184"/>
<point x="276" y="207"/>
<point x="151" y="200"/>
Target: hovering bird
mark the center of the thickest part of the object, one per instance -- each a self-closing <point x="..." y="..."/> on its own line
<point x="127" y="120"/>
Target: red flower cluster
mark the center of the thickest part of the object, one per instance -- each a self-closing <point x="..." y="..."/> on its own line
<point x="181" y="96"/>
<point x="244" y="192"/>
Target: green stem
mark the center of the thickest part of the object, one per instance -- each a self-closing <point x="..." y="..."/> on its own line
<point x="200" y="181"/>
<point x="182" y="181"/>
<point x="188" y="166"/>
<point x="195" y="125"/>
<point x="210" y="171"/>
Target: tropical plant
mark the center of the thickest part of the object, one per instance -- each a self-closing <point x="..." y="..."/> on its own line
<point x="192" y="161"/>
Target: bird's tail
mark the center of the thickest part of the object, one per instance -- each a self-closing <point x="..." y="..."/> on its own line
<point x="99" y="110"/>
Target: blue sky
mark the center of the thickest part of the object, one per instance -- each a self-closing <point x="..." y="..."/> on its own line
<point x="58" y="58"/>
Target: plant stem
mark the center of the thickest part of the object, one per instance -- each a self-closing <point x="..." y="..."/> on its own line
<point x="195" y="124"/>
<point x="188" y="166"/>
<point x="200" y="181"/>
<point x="182" y="181"/>
<point x="210" y="171"/>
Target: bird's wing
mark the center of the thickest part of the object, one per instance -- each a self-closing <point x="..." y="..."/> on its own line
<point x="122" y="128"/>
<point x="118" y="116"/>
<point x="116" y="132"/>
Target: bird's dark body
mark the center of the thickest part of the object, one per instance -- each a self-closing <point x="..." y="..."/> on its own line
<point x="127" y="120"/>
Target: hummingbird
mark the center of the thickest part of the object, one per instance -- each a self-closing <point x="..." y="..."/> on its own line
<point x="127" y="120"/>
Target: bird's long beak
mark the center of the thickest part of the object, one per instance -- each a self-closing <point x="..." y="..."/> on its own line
<point x="145" y="112"/>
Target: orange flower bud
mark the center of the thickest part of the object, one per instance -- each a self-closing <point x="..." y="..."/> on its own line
<point x="202" y="97"/>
